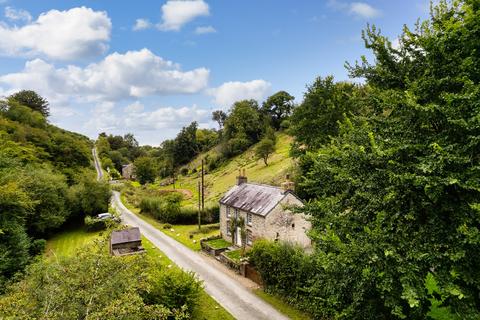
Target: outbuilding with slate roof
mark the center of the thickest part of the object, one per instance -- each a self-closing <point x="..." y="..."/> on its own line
<point x="127" y="241"/>
<point x="266" y="212"/>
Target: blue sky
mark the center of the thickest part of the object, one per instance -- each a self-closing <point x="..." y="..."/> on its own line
<point x="151" y="67"/>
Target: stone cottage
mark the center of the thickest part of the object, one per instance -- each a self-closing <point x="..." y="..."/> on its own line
<point x="128" y="171"/>
<point x="266" y="211"/>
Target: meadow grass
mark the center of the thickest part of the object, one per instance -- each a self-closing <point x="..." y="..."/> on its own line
<point x="281" y="306"/>
<point x="223" y="178"/>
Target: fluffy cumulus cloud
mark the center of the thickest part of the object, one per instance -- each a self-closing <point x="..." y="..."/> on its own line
<point x="230" y="92"/>
<point x="78" y="33"/>
<point x="205" y="30"/>
<point x="142" y="24"/>
<point x="17" y="14"/>
<point x="176" y="13"/>
<point x="135" y="118"/>
<point x="117" y="76"/>
<point x="358" y="9"/>
<point x="363" y="10"/>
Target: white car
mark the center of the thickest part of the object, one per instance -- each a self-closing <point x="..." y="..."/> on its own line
<point x="107" y="216"/>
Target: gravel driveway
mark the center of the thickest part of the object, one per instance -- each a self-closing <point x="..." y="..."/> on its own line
<point x="227" y="291"/>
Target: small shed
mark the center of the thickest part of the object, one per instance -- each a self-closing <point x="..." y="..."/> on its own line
<point x="127" y="241"/>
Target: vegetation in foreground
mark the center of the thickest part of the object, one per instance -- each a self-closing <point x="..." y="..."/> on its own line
<point x="393" y="183"/>
<point x="94" y="285"/>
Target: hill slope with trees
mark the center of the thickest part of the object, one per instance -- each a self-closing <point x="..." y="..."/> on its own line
<point x="46" y="179"/>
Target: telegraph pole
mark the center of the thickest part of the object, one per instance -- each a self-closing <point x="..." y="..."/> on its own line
<point x="199" y="207"/>
<point x="203" y="188"/>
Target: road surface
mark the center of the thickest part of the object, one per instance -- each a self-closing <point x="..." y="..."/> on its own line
<point x="227" y="291"/>
<point x="97" y="164"/>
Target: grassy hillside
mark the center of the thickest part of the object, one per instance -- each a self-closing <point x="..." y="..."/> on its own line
<point x="221" y="179"/>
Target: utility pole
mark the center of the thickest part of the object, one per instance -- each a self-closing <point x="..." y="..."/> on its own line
<point x="199" y="207"/>
<point x="203" y="188"/>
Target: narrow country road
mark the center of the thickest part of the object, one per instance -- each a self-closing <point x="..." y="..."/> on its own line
<point x="97" y="164"/>
<point x="234" y="297"/>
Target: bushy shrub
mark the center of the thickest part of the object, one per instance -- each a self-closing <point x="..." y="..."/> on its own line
<point x="174" y="289"/>
<point x="214" y="162"/>
<point x="184" y="171"/>
<point x="167" y="209"/>
<point x="288" y="271"/>
<point x="94" y="224"/>
<point x="38" y="247"/>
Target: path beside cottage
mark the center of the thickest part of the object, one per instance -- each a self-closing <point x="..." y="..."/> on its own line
<point x="226" y="290"/>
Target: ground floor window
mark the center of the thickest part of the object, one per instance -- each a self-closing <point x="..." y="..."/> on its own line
<point x="249" y="237"/>
<point x="228" y="228"/>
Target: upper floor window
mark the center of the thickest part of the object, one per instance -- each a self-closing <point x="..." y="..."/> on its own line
<point x="236" y="213"/>
<point x="249" y="219"/>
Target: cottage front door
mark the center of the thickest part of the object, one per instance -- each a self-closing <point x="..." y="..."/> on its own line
<point x="238" y="237"/>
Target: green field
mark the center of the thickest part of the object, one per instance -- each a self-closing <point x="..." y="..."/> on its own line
<point x="67" y="242"/>
<point x="220" y="180"/>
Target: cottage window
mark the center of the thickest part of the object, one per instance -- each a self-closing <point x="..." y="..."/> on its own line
<point x="249" y="237"/>
<point x="236" y="213"/>
<point x="228" y="228"/>
<point x="249" y="219"/>
<point x="228" y="212"/>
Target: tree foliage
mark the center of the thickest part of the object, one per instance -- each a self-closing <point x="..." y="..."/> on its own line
<point x="95" y="285"/>
<point x="395" y="188"/>
<point x="145" y="169"/>
<point x="33" y="100"/>
<point x="278" y="107"/>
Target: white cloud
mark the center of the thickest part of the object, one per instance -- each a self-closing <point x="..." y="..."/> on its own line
<point x="104" y="117"/>
<point x="134" y="107"/>
<point x="142" y="24"/>
<point x="176" y="13"/>
<point x="118" y="76"/>
<point x="77" y="33"/>
<point x="230" y="92"/>
<point x="204" y="30"/>
<point x="363" y="10"/>
<point x="359" y="9"/>
<point x="17" y="15"/>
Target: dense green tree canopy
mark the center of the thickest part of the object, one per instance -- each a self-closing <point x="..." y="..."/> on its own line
<point x="278" y="107"/>
<point x="145" y="169"/>
<point x="32" y="100"/>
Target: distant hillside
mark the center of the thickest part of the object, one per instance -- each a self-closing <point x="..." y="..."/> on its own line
<point x="219" y="180"/>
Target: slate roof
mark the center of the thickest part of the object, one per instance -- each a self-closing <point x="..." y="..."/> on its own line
<point x="125" y="236"/>
<point x="255" y="198"/>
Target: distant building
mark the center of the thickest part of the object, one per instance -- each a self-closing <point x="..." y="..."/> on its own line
<point x="128" y="171"/>
<point x="266" y="211"/>
<point x="124" y="242"/>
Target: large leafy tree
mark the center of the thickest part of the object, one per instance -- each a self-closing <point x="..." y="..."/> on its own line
<point x="397" y="209"/>
<point x="325" y="103"/>
<point x="145" y="169"/>
<point x="219" y="116"/>
<point x="33" y="100"/>
<point x="278" y="107"/>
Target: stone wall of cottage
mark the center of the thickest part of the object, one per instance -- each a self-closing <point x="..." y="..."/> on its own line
<point x="283" y="225"/>
<point x="279" y="224"/>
